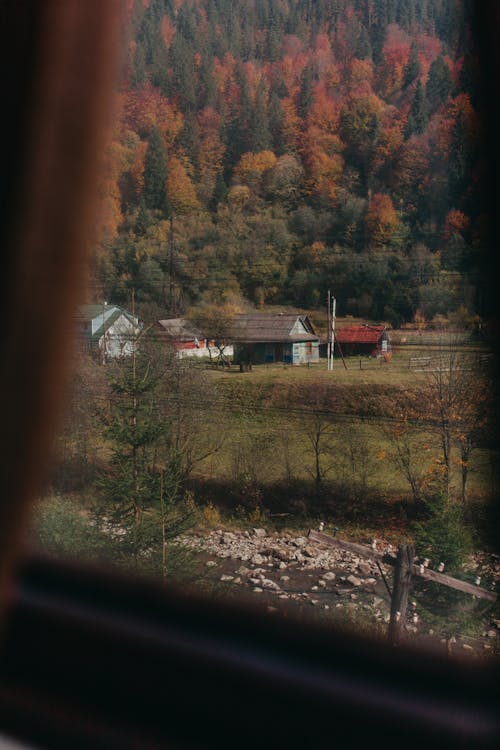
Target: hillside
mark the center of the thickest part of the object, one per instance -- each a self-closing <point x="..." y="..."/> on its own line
<point x="269" y="150"/>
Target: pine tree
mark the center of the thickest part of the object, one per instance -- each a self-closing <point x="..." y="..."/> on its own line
<point x="259" y="134"/>
<point x="418" y="119"/>
<point x="305" y="97"/>
<point x="412" y="68"/>
<point x="275" y="117"/>
<point x="439" y="84"/>
<point x="155" y="173"/>
<point x="138" y="73"/>
<point x="140" y="492"/>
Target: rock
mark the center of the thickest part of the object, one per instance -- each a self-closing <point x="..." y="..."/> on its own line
<point x="282" y="565"/>
<point x="353" y="597"/>
<point x="327" y="606"/>
<point x="268" y="584"/>
<point x="314" y="588"/>
<point x="300" y="541"/>
<point x="377" y="600"/>
<point x="314" y="602"/>
<point x="467" y="647"/>
<point x="272" y="609"/>
<point x="257" y="559"/>
<point x="329" y="576"/>
<point x="259" y="533"/>
<point x="237" y="580"/>
<point x="284" y="578"/>
<point x="364" y="568"/>
<point x="255" y="581"/>
<point x="226" y="578"/>
<point x="283" y="596"/>
<point x="211" y="564"/>
<point x="243" y="570"/>
<point x="257" y="590"/>
<point x="354" y="581"/>
<point x="491" y="633"/>
<point x="322" y="583"/>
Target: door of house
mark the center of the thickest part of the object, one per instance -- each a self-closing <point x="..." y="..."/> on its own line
<point x="278" y="353"/>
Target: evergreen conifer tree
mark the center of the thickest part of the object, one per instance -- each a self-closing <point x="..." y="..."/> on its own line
<point x="141" y="497"/>
<point x="418" y="119"/>
<point x="305" y="97"/>
<point x="439" y="84"/>
<point x="259" y="134"/>
<point x="412" y="68"/>
<point x="155" y="173"/>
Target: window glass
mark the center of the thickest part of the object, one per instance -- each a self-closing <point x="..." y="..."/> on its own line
<point x="278" y="169"/>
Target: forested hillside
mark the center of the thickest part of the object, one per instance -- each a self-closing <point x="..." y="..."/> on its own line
<point x="296" y="146"/>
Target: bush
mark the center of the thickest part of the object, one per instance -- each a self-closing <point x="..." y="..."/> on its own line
<point x="444" y="535"/>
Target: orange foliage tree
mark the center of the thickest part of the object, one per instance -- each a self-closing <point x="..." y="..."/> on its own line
<point x="381" y="220"/>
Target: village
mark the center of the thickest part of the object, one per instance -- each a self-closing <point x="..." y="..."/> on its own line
<point x="242" y="339"/>
<point x="261" y="439"/>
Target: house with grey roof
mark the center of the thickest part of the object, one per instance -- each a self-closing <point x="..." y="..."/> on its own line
<point x="261" y="338"/>
<point x="106" y="330"/>
<point x="187" y="340"/>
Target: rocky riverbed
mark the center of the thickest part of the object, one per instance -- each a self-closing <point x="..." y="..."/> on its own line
<point x="288" y="573"/>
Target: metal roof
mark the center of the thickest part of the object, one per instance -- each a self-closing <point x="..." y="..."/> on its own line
<point x="105" y="315"/>
<point x="178" y="329"/>
<point x="271" y="328"/>
<point x="363" y="334"/>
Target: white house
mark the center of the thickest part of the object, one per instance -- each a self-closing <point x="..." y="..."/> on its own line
<point x="107" y="329"/>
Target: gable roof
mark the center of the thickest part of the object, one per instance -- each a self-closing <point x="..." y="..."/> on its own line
<point x="271" y="327"/>
<point x="102" y="317"/>
<point x="363" y="334"/>
<point x="178" y="329"/>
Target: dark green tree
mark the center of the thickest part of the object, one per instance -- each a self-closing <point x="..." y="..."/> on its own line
<point x="155" y="173"/>
<point x="412" y="68"/>
<point x="141" y="499"/>
<point x="305" y="96"/>
<point x="259" y="135"/>
<point x="439" y="84"/>
<point x="419" y="117"/>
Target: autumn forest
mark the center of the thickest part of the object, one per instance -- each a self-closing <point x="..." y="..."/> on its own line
<point x="269" y="150"/>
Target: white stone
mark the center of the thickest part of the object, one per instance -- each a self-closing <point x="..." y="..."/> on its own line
<point x="227" y="578"/>
<point x="260" y="533"/>
<point x="257" y="590"/>
<point x="354" y="581"/>
<point x="211" y="564"/>
<point x="329" y="576"/>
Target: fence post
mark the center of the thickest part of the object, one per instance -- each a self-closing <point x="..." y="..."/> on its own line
<point x="400" y="592"/>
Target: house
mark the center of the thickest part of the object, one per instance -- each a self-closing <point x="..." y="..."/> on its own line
<point x="187" y="340"/>
<point x="107" y="330"/>
<point x="363" y="339"/>
<point x="261" y="338"/>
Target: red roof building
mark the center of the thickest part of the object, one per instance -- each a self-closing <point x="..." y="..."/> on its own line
<point x="363" y="339"/>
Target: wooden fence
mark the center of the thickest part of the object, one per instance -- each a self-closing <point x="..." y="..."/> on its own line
<point x="404" y="569"/>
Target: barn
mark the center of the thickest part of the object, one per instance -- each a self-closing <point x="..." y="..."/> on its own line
<point x="266" y="338"/>
<point x="368" y="340"/>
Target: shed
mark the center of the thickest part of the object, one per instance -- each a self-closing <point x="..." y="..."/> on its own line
<point x="261" y="338"/>
<point x="364" y="339"/>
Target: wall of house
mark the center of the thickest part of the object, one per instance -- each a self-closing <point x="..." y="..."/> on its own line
<point x="286" y="353"/>
<point x="119" y="338"/>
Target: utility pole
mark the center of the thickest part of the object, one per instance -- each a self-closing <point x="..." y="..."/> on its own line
<point x="334" y="311"/>
<point x="332" y="303"/>
<point x="171" y="267"/>
<point x="104" y="332"/>
<point x="329" y="341"/>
